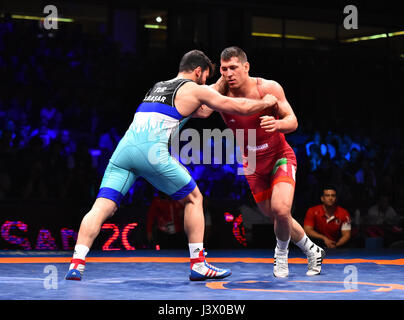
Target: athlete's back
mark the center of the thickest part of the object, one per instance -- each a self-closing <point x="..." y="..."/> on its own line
<point x="157" y="117"/>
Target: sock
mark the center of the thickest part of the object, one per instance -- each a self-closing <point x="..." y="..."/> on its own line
<point x="305" y="244"/>
<point x="282" y="245"/>
<point x="194" y="249"/>
<point x="80" y="251"/>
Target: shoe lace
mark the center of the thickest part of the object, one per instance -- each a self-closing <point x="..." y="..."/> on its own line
<point x="209" y="265"/>
<point x="312" y="260"/>
<point x="281" y="261"/>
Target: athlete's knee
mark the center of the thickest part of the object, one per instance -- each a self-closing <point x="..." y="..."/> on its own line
<point x="105" y="207"/>
<point x="112" y="211"/>
<point x="195" y="198"/>
<point x="281" y="211"/>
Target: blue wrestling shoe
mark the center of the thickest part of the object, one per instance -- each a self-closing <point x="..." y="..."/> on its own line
<point x="76" y="270"/>
<point x="201" y="270"/>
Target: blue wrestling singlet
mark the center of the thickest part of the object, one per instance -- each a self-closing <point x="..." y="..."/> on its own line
<point x="143" y="151"/>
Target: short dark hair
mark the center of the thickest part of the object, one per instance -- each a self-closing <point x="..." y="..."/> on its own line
<point x="233" y="51"/>
<point x="328" y="187"/>
<point x="194" y="59"/>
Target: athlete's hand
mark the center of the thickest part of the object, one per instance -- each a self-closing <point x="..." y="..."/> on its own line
<point x="270" y="99"/>
<point x="269" y="124"/>
<point x="221" y="86"/>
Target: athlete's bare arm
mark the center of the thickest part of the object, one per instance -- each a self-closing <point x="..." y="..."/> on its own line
<point x="287" y="121"/>
<point x="204" y="111"/>
<point x="191" y="96"/>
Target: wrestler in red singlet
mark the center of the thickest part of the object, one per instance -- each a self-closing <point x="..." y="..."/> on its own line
<point x="271" y="175"/>
<point x="276" y="160"/>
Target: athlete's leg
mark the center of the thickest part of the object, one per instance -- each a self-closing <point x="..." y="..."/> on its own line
<point x="281" y="206"/>
<point x="194" y="225"/>
<point x="194" y="220"/>
<point x="278" y="207"/>
<point x="90" y="227"/>
<point x="174" y="180"/>
<point x="115" y="184"/>
<point x="282" y="197"/>
<point x="296" y="233"/>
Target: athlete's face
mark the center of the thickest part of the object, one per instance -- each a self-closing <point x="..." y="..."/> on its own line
<point x="329" y="198"/>
<point x="234" y="72"/>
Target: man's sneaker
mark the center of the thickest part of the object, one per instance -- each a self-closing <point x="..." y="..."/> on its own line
<point x="202" y="270"/>
<point x="76" y="270"/>
<point x="281" y="268"/>
<point x="315" y="259"/>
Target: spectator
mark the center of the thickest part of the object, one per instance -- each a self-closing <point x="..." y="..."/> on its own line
<point x="165" y="222"/>
<point x="23" y="130"/>
<point x="329" y="142"/>
<point x="315" y="157"/>
<point x="328" y="221"/>
<point x="56" y="172"/>
<point x="48" y="112"/>
<point x="366" y="178"/>
<point x="108" y="141"/>
<point x="83" y="179"/>
<point x="383" y="221"/>
<point x="45" y="133"/>
<point x="68" y="145"/>
<point x="34" y="186"/>
<point x="317" y="141"/>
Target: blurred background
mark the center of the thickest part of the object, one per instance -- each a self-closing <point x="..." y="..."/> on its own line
<point x="67" y="96"/>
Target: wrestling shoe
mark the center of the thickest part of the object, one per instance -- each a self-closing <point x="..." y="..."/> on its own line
<point x="281" y="267"/>
<point x="76" y="270"/>
<point x="315" y="259"/>
<point x="202" y="270"/>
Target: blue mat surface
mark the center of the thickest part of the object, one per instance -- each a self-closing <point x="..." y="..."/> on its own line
<point x="346" y="275"/>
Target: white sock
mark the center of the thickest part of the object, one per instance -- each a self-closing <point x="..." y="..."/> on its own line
<point x="305" y="244"/>
<point x="80" y="251"/>
<point x="282" y="245"/>
<point x="194" y="249"/>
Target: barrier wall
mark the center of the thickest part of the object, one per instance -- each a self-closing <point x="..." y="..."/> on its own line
<point x="54" y="226"/>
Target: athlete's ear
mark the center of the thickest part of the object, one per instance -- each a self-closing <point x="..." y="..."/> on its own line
<point x="246" y="67"/>
<point x="198" y="72"/>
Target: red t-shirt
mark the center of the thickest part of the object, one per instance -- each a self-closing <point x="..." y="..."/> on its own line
<point x="330" y="227"/>
<point x="168" y="214"/>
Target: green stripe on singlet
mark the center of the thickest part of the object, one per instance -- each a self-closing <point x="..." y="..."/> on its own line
<point x="278" y="164"/>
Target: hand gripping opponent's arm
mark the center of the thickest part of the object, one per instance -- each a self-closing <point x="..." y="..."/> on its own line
<point x="204" y="111"/>
<point x="287" y="121"/>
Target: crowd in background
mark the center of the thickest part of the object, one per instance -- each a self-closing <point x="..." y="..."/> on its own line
<point x="59" y="126"/>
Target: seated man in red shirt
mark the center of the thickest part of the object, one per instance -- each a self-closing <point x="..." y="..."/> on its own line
<point x="165" y="222"/>
<point x="328" y="221"/>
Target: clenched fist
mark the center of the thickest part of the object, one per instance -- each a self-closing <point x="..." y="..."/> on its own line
<point x="269" y="124"/>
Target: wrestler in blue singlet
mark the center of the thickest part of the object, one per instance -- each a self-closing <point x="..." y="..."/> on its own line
<point x="143" y="151"/>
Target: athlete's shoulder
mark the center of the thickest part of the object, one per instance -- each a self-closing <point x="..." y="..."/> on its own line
<point x="269" y="86"/>
<point x="190" y="86"/>
<point x="200" y="92"/>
